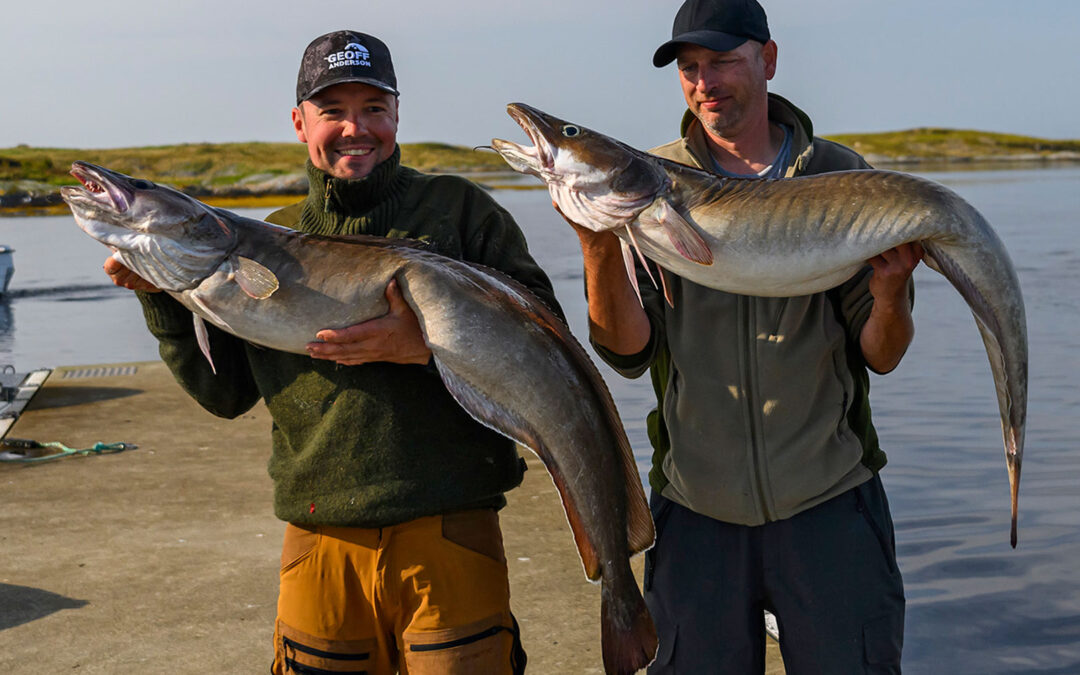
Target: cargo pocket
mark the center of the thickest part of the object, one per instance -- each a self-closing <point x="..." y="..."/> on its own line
<point x="477" y="531"/>
<point x="665" y="650"/>
<point x="659" y="507"/>
<point x="883" y="640"/>
<point x="885" y="540"/>
<point x="487" y="646"/>
<point x="304" y="654"/>
<point x="297" y="545"/>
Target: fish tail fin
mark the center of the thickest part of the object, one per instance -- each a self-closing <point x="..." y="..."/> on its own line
<point x="1013" y="459"/>
<point x="627" y="634"/>
<point x="980" y="269"/>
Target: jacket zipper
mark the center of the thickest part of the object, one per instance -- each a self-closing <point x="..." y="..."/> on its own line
<point x="754" y="432"/>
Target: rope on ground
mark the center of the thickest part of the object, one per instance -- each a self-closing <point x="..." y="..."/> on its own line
<point x="16" y="450"/>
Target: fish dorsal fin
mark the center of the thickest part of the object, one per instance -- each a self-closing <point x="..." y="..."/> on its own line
<point x="204" y="341"/>
<point x="254" y="278"/>
<point x="683" y="236"/>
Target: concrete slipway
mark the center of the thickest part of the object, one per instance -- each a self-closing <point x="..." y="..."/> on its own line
<point x="163" y="559"/>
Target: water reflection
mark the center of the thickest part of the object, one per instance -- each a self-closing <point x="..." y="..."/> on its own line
<point x="7" y="315"/>
<point x="7" y="327"/>
<point x="974" y="604"/>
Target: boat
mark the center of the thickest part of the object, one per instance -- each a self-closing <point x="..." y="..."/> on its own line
<point x="7" y="267"/>
<point x="16" y="390"/>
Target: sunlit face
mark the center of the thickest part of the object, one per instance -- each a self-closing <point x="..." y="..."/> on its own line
<point x="727" y="91"/>
<point x="349" y="128"/>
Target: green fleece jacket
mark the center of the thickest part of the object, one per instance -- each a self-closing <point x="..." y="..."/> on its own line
<point x="762" y="402"/>
<point x="381" y="443"/>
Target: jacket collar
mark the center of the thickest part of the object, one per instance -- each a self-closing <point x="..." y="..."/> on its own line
<point x="352" y="197"/>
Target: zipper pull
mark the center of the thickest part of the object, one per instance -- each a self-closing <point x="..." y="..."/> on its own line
<point x="326" y="195"/>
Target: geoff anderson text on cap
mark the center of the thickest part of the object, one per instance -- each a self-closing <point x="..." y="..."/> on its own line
<point x="345" y="56"/>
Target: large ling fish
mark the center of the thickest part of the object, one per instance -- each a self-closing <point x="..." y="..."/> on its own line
<point x="785" y="237"/>
<point x="510" y="362"/>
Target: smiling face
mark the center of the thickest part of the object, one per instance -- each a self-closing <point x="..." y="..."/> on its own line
<point x="349" y="128"/>
<point x="727" y="91"/>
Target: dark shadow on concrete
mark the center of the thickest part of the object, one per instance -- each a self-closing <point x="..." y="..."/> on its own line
<point x="23" y="604"/>
<point x="60" y="396"/>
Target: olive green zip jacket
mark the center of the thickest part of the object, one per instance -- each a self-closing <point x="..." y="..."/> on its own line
<point x="762" y="402"/>
<point x="381" y="443"/>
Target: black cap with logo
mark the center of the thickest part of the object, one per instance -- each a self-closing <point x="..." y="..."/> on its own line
<point x="719" y="25"/>
<point x="345" y="56"/>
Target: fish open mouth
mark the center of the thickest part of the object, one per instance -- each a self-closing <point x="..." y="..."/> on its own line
<point x="98" y="189"/>
<point x="539" y="159"/>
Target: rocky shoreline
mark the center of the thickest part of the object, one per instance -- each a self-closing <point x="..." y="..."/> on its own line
<point x="28" y="194"/>
<point x="1033" y="160"/>
<point x="27" y="197"/>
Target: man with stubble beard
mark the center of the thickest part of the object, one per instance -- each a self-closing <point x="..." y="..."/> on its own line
<point x="765" y="485"/>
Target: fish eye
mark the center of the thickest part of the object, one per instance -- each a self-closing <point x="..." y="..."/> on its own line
<point x="140" y="184"/>
<point x="569" y="130"/>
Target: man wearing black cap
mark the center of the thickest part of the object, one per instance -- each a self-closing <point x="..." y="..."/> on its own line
<point x="765" y="486"/>
<point x="393" y="556"/>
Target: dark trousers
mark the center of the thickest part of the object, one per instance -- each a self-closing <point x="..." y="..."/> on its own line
<point x="828" y="573"/>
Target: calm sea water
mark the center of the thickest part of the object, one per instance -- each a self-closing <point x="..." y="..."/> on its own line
<point x="974" y="604"/>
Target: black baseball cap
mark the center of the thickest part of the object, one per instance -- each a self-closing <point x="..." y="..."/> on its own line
<point x="719" y="25"/>
<point x="345" y="56"/>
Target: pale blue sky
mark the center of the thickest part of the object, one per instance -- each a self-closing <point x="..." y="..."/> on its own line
<point x="117" y="73"/>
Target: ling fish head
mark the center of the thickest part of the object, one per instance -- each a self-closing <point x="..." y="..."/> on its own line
<point x="170" y="239"/>
<point x="596" y="181"/>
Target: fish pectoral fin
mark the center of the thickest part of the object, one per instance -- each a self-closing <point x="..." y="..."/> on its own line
<point x="203" y="338"/>
<point x="254" y="278"/>
<point x="683" y="236"/>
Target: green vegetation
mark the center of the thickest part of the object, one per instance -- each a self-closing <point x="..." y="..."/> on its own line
<point x="236" y="174"/>
<point x="217" y="164"/>
<point x="444" y="158"/>
<point x="175" y="164"/>
<point x="937" y="144"/>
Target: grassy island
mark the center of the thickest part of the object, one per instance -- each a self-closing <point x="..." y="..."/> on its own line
<point x="241" y="174"/>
